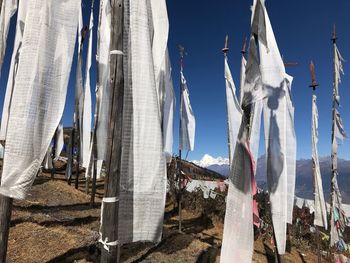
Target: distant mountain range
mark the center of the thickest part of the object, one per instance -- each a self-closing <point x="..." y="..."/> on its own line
<point x="304" y="180"/>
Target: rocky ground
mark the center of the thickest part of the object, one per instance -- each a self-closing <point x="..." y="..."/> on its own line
<point x="57" y="224"/>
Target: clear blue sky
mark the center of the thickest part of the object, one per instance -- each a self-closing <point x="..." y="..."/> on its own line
<point x="303" y="32"/>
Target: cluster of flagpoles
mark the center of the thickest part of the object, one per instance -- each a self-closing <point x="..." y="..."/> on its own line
<point x="133" y="120"/>
<point x="265" y="90"/>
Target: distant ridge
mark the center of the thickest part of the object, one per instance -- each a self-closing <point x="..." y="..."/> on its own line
<point x="304" y="180"/>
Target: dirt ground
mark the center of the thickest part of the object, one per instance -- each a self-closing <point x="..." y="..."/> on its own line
<point x="57" y="224"/>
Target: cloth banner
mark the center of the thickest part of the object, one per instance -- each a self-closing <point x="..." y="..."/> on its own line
<point x="39" y="92"/>
<point x="20" y="26"/>
<point x="234" y="111"/>
<point x="8" y="9"/>
<point x="59" y="141"/>
<point x="143" y="166"/>
<point x="87" y="118"/>
<point x="320" y="218"/>
<point x="188" y="121"/>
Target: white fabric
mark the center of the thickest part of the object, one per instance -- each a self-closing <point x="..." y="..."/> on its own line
<point x="320" y="218"/>
<point x="299" y="202"/>
<point x="291" y="150"/>
<point x="279" y="133"/>
<point x="86" y="120"/>
<point x="187" y="121"/>
<point x="266" y="81"/>
<point x="103" y="79"/>
<point x="48" y="159"/>
<point x="168" y="109"/>
<point x="339" y="131"/>
<point x="143" y="167"/>
<point x="20" y="25"/>
<point x="338" y="67"/>
<point x="238" y="234"/>
<point x="242" y="78"/>
<point x="159" y="45"/>
<point x="59" y="141"/>
<point x="39" y="90"/>
<point x="234" y="111"/>
<point x="8" y="9"/>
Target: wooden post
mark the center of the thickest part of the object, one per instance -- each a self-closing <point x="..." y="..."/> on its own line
<point x="180" y="192"/>
<point x="94" y="162"/>
<point x="334" y="185"/>
<point x="77" y="164"/>
<point x="182" y="49"/>
<point x="109" y="220"/>
<point x="53" y="154"/>
<point x="70" y="157"/>
<point x="5" y="219"/>
<point x="5" y="213"/>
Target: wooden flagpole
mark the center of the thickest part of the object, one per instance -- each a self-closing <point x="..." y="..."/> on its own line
<point x="5" y="212"/>
<point x="53" y="154"/>
<point x="225" y="50"/>
<point x="110" y="213"/>
<point x="179" y="177"/>
<point x="314" y="85"/>
<point x="5" y="219"/>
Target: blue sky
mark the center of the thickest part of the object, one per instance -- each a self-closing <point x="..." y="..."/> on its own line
<point x="303" y="32"/>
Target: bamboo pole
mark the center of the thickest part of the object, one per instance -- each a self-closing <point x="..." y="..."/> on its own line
<point x="109" y="220"/>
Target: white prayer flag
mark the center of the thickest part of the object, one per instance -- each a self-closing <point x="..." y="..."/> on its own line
<point x="59" y="141"/>
<point x="242" y="79"/>
<point x="39" y="90"/>
<point x="20" y="25"/>
<point x="8" y="9"/>
<point x="168" y="109"/>
<point x="338" y="71"/>
<point x="87" y="118"/>
<point x="234" y="111"/>
<point x="320" y="218"/>
<point x="103" y="79"/>
<point x="143" y="166"/>
<point x="188" y="121"/>
<point x="279" y="132"/>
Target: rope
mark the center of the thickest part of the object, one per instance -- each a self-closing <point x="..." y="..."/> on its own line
<point x="104" y="242"/>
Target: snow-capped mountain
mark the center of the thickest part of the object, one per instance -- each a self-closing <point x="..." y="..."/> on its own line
<point x="304" y="179"/>
<point x="219" y="164"/>
<point x="208" y="160"/>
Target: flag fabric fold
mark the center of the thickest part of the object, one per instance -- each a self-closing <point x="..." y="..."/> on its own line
<point x="266" y="87"/>
<point x="85" y="122"/>
<point x="188" y="121"/>
<point x="143" y="166"/>
<point x="39" y="90"/>
<point x="20" y="26"/>
<point x="338" y="71"/>
<point x="59" y="141"/>
<point x="234" y="111"/>
<point x="8" y="9"/>
<point x="320" y="218"/>
<point x="103" y="78"/>
<point x="168" y="108"/>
